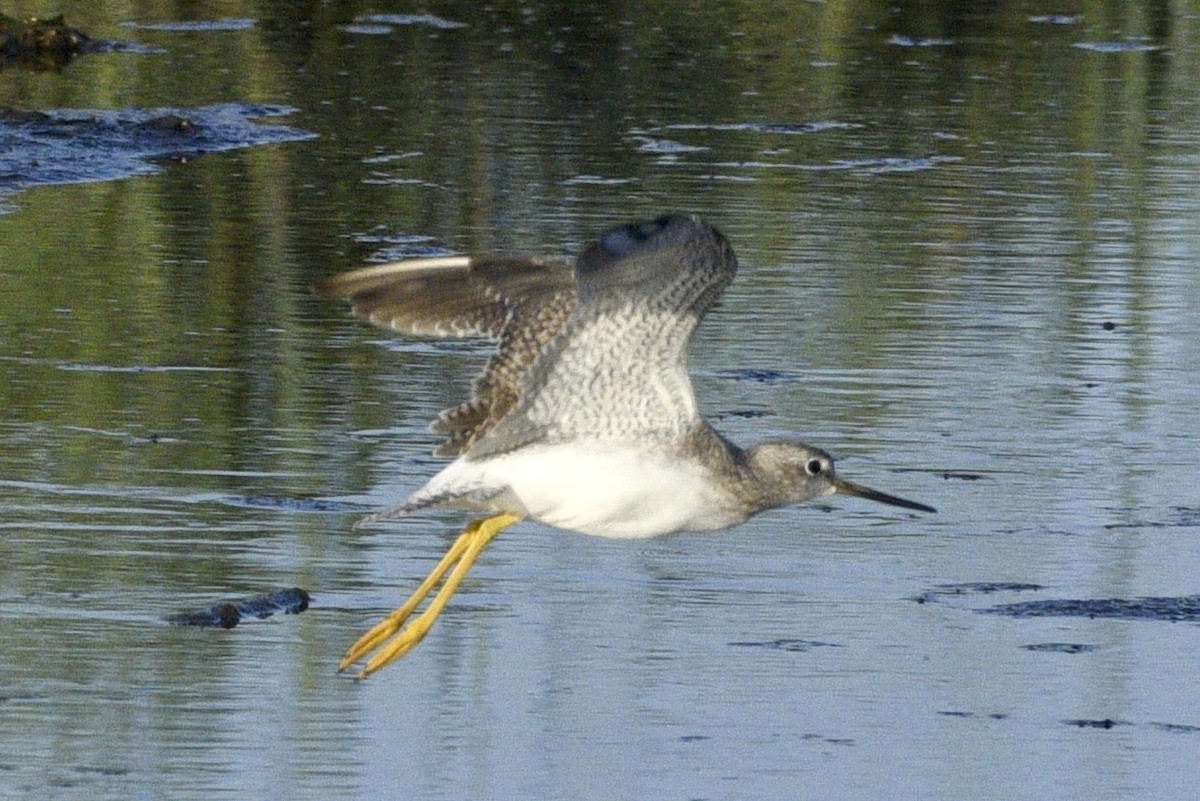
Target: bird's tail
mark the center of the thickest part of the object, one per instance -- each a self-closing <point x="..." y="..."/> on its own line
<point x="421" y="500"/>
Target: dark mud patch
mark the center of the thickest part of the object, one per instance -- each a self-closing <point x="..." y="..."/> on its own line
<point x="68" y="146"/>
<point x="41" y="43"/>
<point x="228" y="614"/>
<point x="1173" y="609"/>
<point x="50" y="43"/>
<point x="1176" y="608"/>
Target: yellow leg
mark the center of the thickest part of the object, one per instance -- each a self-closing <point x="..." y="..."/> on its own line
<point x="384" y="636"/>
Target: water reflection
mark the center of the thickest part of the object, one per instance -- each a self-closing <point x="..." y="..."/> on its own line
<point x="968" y="248"/>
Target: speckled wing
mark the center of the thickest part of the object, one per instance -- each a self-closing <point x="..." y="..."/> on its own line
<point x="617" y="369"/>
<point x="520" y="302"/>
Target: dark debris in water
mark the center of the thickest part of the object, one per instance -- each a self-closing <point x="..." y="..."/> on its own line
<point x="939" y="591"/>
<point x="1176" y="517"/>
<point x="959" y="475"/>
<point x="1079" y="723"/>
<point x="1175" y="609"/>
<point x="1101" y="723"/>
<point x="1175" y="728"/>
<point x="67" y="146"/>
<point x="826" y="739"/>
<point x="228" y="614"/>
<point x="1181" y="608"/>
<point x="1060" y="647"/>
<point x="759" y="375"/>
<point x="742" y="414"/>
<point x="956" y="713"/>
<point x="1112" y="723"/>
<point x="291" y="504"/>
<point x="785" y="644"/>
<point x="101" y="770"/>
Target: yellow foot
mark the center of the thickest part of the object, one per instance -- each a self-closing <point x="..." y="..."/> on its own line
<point x="387" y="636"/>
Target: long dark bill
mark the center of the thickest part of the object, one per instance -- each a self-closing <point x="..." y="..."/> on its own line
<point x="850" y="488"/>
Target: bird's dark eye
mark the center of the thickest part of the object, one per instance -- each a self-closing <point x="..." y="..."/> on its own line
<point x="814" y="467"/>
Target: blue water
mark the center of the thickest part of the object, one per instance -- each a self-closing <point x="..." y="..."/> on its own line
<point x="968" y="250"/>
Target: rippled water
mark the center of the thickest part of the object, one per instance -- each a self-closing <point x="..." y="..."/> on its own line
<point x="968" y="244"/>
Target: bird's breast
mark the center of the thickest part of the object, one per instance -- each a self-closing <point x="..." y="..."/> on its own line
<point x="609" y="489"/>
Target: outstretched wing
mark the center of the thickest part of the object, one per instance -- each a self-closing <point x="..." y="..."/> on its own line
<point x="618" y="366"/>
<point x="522" y="303"/>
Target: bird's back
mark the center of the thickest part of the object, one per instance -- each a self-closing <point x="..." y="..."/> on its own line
<point x="617" y="369"/>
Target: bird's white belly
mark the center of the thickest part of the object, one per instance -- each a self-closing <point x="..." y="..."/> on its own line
<point x="605" y="489"/>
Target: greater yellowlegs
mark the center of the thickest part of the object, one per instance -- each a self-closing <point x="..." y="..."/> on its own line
<point x="584" y="419"/>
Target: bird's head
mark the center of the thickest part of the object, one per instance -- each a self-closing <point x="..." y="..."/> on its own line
<point x="791" y="472"/>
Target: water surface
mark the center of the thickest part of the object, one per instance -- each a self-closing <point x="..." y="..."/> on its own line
<point x="968" y="249"/>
